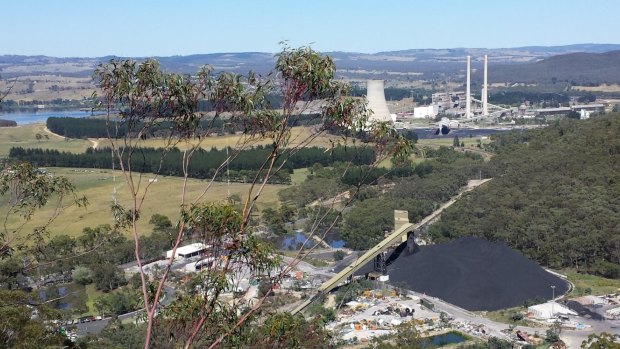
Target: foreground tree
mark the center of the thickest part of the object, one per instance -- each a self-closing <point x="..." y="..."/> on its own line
<point x="24" y="189"/>
<point x="147" y="97"/>
<point x="600" y="341"/>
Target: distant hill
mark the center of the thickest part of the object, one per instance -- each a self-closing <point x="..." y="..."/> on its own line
<point x="405" y="63"/>
<point x="581" y="68"/>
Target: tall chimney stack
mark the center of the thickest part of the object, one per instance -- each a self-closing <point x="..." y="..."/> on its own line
<point x="485" y="90"/>
<point x="468" y="93"/>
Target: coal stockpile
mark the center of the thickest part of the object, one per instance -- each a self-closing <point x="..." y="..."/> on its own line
<point x="475" y="274"/>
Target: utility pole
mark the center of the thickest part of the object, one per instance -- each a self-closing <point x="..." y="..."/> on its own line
<point x="552" y="299"/>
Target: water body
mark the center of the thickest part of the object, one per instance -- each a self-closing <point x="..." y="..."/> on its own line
<point x="39" y="116"/>
<point x="445" y="339"/>
<point x="463" y="132"/>
<point x="294" y="241"/>
<point x="53" y="292"/>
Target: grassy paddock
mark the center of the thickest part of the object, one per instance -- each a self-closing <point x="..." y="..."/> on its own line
<point x="600" y="88"/>
<point x="505" y="316"/>
<point x="91" y="296"/>
<point x="299" y="175"/>
<point x="299" y="135"/>
<point x="448" y="141"/>
<point x="597" y="285"/>
<point x="163" y="198"/>
<point x="25" y="136"/>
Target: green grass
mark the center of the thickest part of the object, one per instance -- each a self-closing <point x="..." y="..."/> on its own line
<point x="597" y="285"/>
<point x="92" y="294"/>
<point x="448" y="142"/>
<point x="25" y="136"/>
<point x="504" y="316"/>
<point x="299" y="175"/>
<point x="163" y="198"/>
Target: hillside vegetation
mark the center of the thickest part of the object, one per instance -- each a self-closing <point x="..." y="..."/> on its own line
<point x="555" y="196"/>
<point x="579" y="68"/>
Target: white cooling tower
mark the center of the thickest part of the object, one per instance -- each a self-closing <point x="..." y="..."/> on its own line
<point x="376" y="101"/>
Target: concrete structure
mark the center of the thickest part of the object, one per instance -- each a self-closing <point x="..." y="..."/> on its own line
<point x="376" y="101"/>
<point x="468" y="92"/>
<point x="552" y="111"/>
<point x="589" y="107"/>
<point x="426" y="112"/>
<point x="446" y="101"/>
<point x="583" y="114"/>
<point x="188" y="251"/>
<point x="549" y="310"/>
<point x="485" y="90"/>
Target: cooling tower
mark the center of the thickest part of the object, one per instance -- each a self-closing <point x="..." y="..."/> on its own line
<point x="376" y="101"/>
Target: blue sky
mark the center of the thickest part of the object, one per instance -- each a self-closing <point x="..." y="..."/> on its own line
<point x="164" y="28"/>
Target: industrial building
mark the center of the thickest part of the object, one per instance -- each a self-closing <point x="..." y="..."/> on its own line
<point x="188" y="251"/>
<point x="583" y="109"/>
<point x="549" y="310"/>
<point x="425" y="112"/>
<point x="449" y="102"/>
<point x="552" y="111"/>
<point x="459" y="104"/>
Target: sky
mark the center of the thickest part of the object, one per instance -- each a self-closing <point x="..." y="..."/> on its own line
<point x="144" y="28"/>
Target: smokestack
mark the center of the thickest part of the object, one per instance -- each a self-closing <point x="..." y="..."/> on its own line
<point x="485" y="90"/>
<point x="468" y="93"/>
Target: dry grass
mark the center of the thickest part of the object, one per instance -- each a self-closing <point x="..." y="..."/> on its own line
<point x="448" y="141"/>
<point x="25" y="136"/>
<point x="48" y="87"/>
<point x="163" y="198"/>
<point x="600" y="88"/>
<point x="299" y="135"/>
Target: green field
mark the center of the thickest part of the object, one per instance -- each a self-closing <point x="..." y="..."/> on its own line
<point x="299" y="175"/>
<point x="163" y="198"/>
<point x="164" y="195"/>
<point x="448" y="142"/>
<point x="597" y="285"/>
<point x="25" y="137"/>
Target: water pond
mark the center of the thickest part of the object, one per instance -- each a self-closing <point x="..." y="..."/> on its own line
<point x="445" y="339"/>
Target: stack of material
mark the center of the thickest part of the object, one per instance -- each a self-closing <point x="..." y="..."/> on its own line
<point x="475" y="274"/>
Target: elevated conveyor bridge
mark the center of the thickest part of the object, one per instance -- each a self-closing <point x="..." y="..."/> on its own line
<point x="404" y="231"/>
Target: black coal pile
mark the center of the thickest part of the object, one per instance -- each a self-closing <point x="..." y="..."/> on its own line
<point x="474" y="274"/>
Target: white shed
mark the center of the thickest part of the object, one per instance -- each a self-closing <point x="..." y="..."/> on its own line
<point x="188" y="251"/>
<point x="549" y="310"/>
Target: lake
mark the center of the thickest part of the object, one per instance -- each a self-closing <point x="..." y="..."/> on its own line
<point x="23" y="118"/>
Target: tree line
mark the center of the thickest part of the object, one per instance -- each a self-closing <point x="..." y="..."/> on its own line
<point x="431" y="183"/>
<point x="243" y="168"/>
<point x="98" y="128"/>
<point x="419" y="188"/>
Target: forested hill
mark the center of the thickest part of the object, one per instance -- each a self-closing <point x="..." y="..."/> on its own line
<point x="555" y="196"/>
<point x="579" y="68"/>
